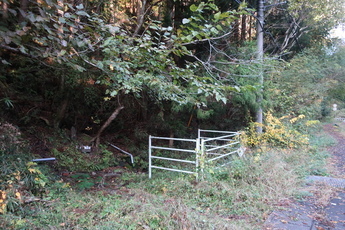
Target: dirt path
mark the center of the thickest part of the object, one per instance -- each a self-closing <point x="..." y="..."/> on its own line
<point x="326" y="211"/>
<point x="338" y="151"/>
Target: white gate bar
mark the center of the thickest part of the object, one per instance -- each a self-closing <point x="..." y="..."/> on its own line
<point x="197" y="157"/>
<point x="150" y="159"/>
<point x="218" y="145"/>
<point x="173" y="149"/>
<point x="170" y="169"/>
<point x="201" y="150"/>
<point x="218" y="138"/>
<point x="218" y="154"/>
<point x="174" y="139"/>
<point x="222" y="146"/>
<point x="173" y="159"/>
<point x="216" y="131"/>
<point x="216" y="158"/>
<point x="205" y="138"/>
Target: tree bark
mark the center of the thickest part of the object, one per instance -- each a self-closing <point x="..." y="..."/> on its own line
<point x="260" y="54"/>
<point x="61" y="112"/>
<point x="24" y="9"/>
<point x="243" y="27"/>
<point x="141" y="12"/>
<point x="4" y="10"/>
<point x="96" y="139"/>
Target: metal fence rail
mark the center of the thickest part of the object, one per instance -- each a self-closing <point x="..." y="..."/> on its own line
<point x="210" y="146"/>
<point x="194" y="162"/>
<point x="219" y="147"/>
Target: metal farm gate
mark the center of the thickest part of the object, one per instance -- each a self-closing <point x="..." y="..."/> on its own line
<point x="210" y="148"/>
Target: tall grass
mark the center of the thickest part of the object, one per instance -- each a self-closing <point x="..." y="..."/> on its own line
<point x="238" y="197"/>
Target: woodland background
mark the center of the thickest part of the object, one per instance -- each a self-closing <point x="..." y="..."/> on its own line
<point x="165" y="67"/>
<point x="78" y="72"/>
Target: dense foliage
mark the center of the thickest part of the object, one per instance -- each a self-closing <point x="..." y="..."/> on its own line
<point x="72" y="71"/>
<point x="141" y="53"/>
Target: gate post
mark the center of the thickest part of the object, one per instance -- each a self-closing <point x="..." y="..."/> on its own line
<point x="197" y="158"/>
<point x="200" y="161"/>
<point x="150" y="161"/>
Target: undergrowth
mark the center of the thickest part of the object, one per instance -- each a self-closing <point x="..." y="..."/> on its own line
<point x="238" y="197"/>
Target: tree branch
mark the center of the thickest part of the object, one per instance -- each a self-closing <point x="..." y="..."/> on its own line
<point x="207" y="39"/>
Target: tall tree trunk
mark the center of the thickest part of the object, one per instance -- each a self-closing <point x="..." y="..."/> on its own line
<point x="141" y="12"/>
<point x="24" y="9"/>
<point x="169" y="12"/>
<point x="250" y="28"/>
<point x="61" y="112"/>
<point x="260" y="54"/>
<point x="244" y="28"/>
<point x="96" y="139"/>
<point x="236" y="33"/>
<point x="4" y="10"/>
<point x="111" y="8"/>
<point x="62" y="108"/>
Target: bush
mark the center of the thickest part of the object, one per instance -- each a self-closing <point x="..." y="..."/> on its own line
<point x="10" y="140"/>
<point x="276" y="133"/>
<point x="20" y="178"/>
<point x="72" y="159"/>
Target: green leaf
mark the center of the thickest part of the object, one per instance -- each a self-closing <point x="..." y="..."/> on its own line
<point x="185" y="21"/>
<point x="82" y="13"/>
<point x="78" y="68"/>
<point x="214" y="30"/>
<point x="13" y="12"/>
<point x="113" y="93"/>
<point x="100" y="65"/>
<point x="62" y="20"/>
<point x="22" y="49"/>
<point x="80" y="6"/>
<point x="217" y="16"/>
<point x="219" y="27"/>
<point x="62" y="52"/>
<point x="7" y="39"/>
<point x="5" y="62"/>
<point x="195" y="33"/>
<point x="193" y="8"/>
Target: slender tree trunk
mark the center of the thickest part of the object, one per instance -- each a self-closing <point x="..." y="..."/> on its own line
<point x="250" y="28"/>
<point x="4" y="10"/>
<point x="169" y="11"/>
<point x="244" y="28"/>
<point x="61" y="110"/>
<point x="141" y="11"/>
<point x="96" y="139"/>
<point x="24" y="9"/>
<point x="260" y="54"/>
<point x="111" y="9"/>
<point x="236" y="34"/>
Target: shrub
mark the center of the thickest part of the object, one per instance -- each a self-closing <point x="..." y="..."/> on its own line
<point x="72" y="159"/>
<point x="10" y="140"/>
<point x="275" y="133"/>
<point x="20" y="178"/>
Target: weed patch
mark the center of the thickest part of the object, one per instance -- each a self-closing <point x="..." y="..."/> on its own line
<point x="239" y="196"/>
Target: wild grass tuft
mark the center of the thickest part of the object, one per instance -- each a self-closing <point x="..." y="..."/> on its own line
<point x="237" y="197"/>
